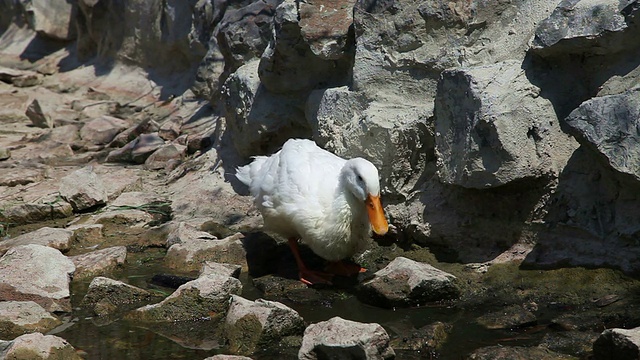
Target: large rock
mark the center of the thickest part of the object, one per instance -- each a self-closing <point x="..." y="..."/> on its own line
<point x="21" y="317"/>
<point x="586" y="27"/>
<point x="206" y="297"/>
<point x="56" y="238"/>
<point x="618" y="344"/>
<point x="405" y="282"/>
<point x="608" y="126"/>
<point x="249" y="325"/>
<point x="258" y="120"/>
<point x="37" y="273"/>
<point x="190" y="255"/>
<point x="338" y="338"/>
<point x="325" y="26"/>
<point x="99" y="262"/>
<point x="53" y="19"/>
<point x="83" y="189"/>
<point x="38" y="346"/>
<point x="107" y="296"/>
<point x="493" y="128"/>
<point x="102" y="130"/>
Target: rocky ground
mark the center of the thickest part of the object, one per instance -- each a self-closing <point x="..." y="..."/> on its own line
<point x="504" y="131"/>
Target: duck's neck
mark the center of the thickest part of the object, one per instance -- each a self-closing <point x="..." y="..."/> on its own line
<point x="346" y="212"/>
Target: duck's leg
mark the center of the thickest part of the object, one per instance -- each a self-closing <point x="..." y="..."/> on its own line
<point x="344" y="268"/>
<point x="307" y="276"/>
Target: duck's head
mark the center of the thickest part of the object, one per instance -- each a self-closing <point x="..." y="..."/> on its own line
<point x="361" y="178"/>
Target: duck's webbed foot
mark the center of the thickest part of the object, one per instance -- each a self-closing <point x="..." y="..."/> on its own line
<point x="311" y="277"/>
<point x="344" y="268"/>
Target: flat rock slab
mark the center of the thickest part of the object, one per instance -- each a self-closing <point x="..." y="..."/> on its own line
<point x="405" y="282"/>
<point x="83" y="189"/>
<point x="21" y="317"/>
<point x="20" y="176"/>
<point x="204" y="298"/>
<point x="338" y="338"/>
<point x="101" y="130"/>
<point x="53" y="237"/>
<point x="210" y="267"/>
<point x="38" y="346"/>
<point x="107" y="296"/>
<point x="37" y="273"/>
<point x="618" y="344"/>
<point x="189" y="255"/>
<point x="99" y="262"/>
<point x="184" y="232"/>
<point x="252" y="324"/>
<point x="515" y="316"/>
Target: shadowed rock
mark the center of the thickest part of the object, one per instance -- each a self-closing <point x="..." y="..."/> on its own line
<point x="515" y="316"/>
<point x="338" y="338"/>
<point x="618" y="344"/>
<point x="21" y="317"/>
<point x="251" y="325"/>
<point x="500" y="352"/>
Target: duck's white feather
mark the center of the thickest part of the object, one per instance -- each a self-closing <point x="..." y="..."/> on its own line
<point x="300" y="193"/>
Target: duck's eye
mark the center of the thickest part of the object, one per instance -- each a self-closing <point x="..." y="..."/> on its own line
<point x="359" y="178"/>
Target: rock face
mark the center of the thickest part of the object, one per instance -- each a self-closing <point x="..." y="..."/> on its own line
<point x="252" y="324"/>
<point x="493" y="128"/>
<point x="338" y="338"/>
<point x="620" y="344"/>
<point x="406" y="282"/>
<point x="37" y="273"/>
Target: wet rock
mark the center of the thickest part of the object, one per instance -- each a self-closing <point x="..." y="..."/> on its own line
<point x="5" y="153"/>
<point x="206" y="297"/>
<point x="83" y="189"/>
<point x="53" y="237"/>
<point x="282" y="289"/>
<point x="214" y="268"/>
<point x="20" y="176"/>
<point x="339" y="338"/>
<point x="107" y="297"/>
<point x="184" y="232"/>
<point x="250" y="325"/>
<point x="606" y="125"/>
<point x="102" y="130"/>
<point x="87" y="235"/>
<point x="164" y="155"/>
<point x="576" y="343"/>
<point x="21" y="317"/>
<point x="499" y="352"/>
<point x="618" y="344"/>
<point x="37" y="273"/>
<point x="491" y="133"/>
<point x="52" y="19"/>
<point x="405" y="282"/>
<point x="227" y="357"/>
<point x="514" y="316"/>
<point x="579" y="27"/>
<point x="146" y="145"/>
<point x="189" y="255"/>
<point x="39" y="114"/>
<point x="99" y="262"/>
<point x="38" y="346"/>
<point x="426" y="340"/>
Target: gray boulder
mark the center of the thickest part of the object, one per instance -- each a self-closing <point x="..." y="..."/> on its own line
<point x="405" y="282"/>
<point x="99" y="262"/>
<point x="338" y="338"/>
<point x="190" y="255"/>
<point x="608" y="125"/>
<point x="21" y="317"/>
<point x="83" y="189"/>
<point x="37" y="273"/>
<point x="492" y="128"/>
<point x="586" y="27"/>
<point x="54" y="19"/>
<point x="249" y="325"/>
<point x="53" y="237"/>
<point x="38" y="346"/>
<point x="204" y="298"/>
<point x="618" y="344"/>
<point x="107" y="296"/>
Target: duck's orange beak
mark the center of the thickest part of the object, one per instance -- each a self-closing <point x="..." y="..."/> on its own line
<point x="376" y="215"/>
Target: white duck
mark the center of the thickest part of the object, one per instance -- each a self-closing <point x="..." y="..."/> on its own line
<point x="305" y="192"/>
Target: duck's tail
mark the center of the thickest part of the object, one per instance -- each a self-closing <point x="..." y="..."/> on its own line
<point x="248" y="172"/>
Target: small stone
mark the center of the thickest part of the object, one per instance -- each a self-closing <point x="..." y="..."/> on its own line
<point x="160" y="158"/>
<point x="146" y="145"/>
<point x="102" y="130"/>
<point x="4" y="153"/>
<point x="39" y="117"/>
<point x="338" y="338"/>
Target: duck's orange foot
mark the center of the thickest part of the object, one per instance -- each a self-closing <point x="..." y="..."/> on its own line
<point x="344" y="268"/>
<point x="311" y="277"/>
